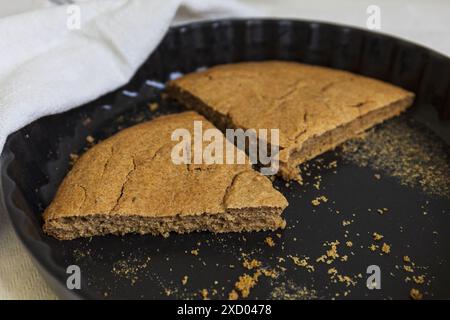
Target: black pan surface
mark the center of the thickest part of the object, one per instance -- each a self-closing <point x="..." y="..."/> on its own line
<point x="394" y="182"/>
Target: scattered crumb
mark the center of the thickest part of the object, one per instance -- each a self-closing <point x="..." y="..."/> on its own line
<point x="90" y="139"/>
<point x="290" y="291"/>
<point x="406" y="259"/>
<point x="246" y="282"/>
<point x="415" y="294"/>
<point x="346" y="279"/>
<point x="382" y="211"/>
<point x="408" y="268"/>
<point x="419" y="279"/>
<point x="233" y="295"/>
<point x="269" y="241"/>
<point x="322" y="258"/>
<point x="168" y="292"/>
<point x="386" y="249"/>
<point x="130" y="268"/>
<point x="332" y="271"/>
<point x="346" y="223"/>
<point x="318" y="200"/>
<point x="74" y="157"/>
<point x="195" y="252"/>
<point x="397" y="148"/>
<point x="87" y="121"/>
<point x="302" y="263"/>
<point x="332" y="253"/>
<point x="341" y="278"/>
<point x="269" y="273"/>
<point x="377" y="236"/>
<point x="153" y="106"/>
<point x="204" y="294"/>
<point x="349" y="244"/>
<point x="184" y="280"/>
<point x="252" y="264"/>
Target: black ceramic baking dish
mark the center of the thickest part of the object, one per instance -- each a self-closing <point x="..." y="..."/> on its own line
<point x="413" y="217"/>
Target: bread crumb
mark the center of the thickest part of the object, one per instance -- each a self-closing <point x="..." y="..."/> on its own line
<point x="251" y="264"/>
<point x="377" y="236"/>
<point x="195" y="252"/>
<point x="332" y="271"/>
<point x="397" y="148"/>
<point x="318" y="200"/>
<point x="346" y="223"/>
<point x="406" y="259"/>
<point x="332" y="253"/>
<point x="346" y="279"/>
<point x="90" y="139"/>
<point x="74" y="157"/>
<point x="386" y="248"/>
<point x="167" y="291"/>
<point x="233" y="295"/>
<point x="246" y="282"/>
<point x="349" y="244"/>
<point x="419" y="279"/>
<point x="269" y="273"/>
<point x="184" y="280"/>
<point x="290" y="291"/>
<point x="302" y="263"/>
<point x="87" y="121"/>
<point x="373" y="247"/>
<point x="153" y="106"/>
<point x="322" y="258"/>
<point x="269" y="241"/>
<point x="204" y="294"/>
<point x="408" y="268"/>
<point x="415" y="294"/>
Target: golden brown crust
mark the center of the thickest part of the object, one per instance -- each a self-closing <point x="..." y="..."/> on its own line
<point x="303" y="101"/>
<point x="132" y="174"/>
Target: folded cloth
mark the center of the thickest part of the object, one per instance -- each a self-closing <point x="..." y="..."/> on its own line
<point x="48" y="66"/>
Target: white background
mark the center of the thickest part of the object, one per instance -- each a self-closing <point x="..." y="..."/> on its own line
<point x="424" y="22"/>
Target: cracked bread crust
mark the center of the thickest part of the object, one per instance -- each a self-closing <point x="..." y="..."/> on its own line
<point x="305" y="102"/>
<point x="128" y="183"/>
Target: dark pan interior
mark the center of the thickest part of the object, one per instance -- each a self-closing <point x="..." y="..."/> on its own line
<point x="367" y="191"/>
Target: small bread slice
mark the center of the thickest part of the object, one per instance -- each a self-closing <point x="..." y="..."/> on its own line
<point x="129" y="184"/>
<point x="314" y="108"/>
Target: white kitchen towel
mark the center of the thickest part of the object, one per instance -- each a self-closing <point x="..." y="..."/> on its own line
<point x="47" y="65"/>
<point x="46" y="68"/>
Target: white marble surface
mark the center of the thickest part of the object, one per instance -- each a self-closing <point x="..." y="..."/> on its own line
<point x="424" y="22"/>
